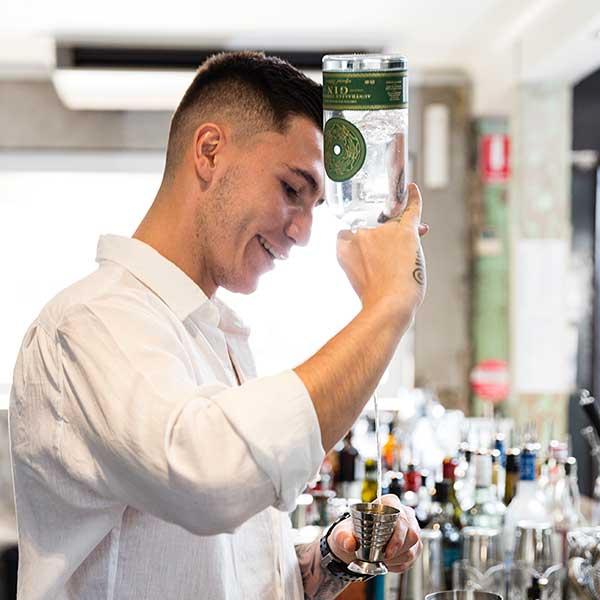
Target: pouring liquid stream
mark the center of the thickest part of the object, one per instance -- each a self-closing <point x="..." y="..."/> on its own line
<point x="378" y="442"/>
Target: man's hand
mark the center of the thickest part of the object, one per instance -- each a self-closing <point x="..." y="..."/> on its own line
<point x="386" y="264"/>
<point x="386" y="268"/>
<point x="402" y="549"/>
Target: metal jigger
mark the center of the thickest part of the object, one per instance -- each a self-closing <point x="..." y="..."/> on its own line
<point x="373" y="526"/>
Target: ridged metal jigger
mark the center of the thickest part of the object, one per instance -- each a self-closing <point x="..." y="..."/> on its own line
<point x="373" y="526"/>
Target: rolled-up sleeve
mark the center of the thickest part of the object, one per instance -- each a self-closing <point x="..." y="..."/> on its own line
<point x="283" y="436"/>
<point x="205" y="456"/>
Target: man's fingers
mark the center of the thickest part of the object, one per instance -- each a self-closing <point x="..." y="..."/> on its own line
<point x="414" y="205"/>
<point x="412" y="213"/>
<point x="344" y="536"/>
<point x="406" y="533"/>
<point x="348" y="542"/>
<point x="391" y="500"/>
<point x="405" y="560"/>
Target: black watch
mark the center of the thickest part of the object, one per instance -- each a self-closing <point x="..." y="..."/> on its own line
<point x="332" y="563"/>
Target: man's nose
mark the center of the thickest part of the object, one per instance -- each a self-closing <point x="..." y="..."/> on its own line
<point x="299" y="228"/>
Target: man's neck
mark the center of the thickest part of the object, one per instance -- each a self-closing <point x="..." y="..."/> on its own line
<point x="166" y="229"/>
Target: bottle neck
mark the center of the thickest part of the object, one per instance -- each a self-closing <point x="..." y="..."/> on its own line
<point x="371" y="475"/>
<point x="443" y="508"/>
<point x="483" y="494"/>
<point x="526" y="487"/>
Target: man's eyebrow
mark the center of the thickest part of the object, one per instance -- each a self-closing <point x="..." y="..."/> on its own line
<point x="308" y="178"/>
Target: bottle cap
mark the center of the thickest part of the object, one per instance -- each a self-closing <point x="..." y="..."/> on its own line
<point x="448" y="468"/>
<point x="570" y="465"/>
<point x="501" y="447"/>
<point x="396" y="486"/>
<point x="513" y="460"/>
<point x="559" y="450"/>
<point x="528" y="465"/>
<point x="363" y="62"/>
<point x="370" y="464"/>
<point x="412" y="479"/>
<point x="442" y="491"/>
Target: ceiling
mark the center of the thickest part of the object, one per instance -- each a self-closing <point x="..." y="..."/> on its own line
<point x="494" y="42"/>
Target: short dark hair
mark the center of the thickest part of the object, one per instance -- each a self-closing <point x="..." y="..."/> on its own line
<point x="256" y="92"/>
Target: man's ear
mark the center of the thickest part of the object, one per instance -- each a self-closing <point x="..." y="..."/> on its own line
<point x="209" y="140"/>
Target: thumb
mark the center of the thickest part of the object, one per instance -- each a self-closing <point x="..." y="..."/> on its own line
<point x="414" y="206"/>
<point x="391" y="500"/>
<point x="343" y="537"/>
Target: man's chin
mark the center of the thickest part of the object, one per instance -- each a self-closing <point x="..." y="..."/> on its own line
<point x="243" y="287"/>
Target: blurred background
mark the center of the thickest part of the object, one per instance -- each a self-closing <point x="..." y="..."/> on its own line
<point x="504" y="136"/>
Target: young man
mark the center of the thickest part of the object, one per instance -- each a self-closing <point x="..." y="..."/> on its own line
<point x="149" y="461"/>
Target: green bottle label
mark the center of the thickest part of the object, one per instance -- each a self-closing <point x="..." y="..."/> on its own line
<point x="373" y="90"/>
<point x="345" y="149"/>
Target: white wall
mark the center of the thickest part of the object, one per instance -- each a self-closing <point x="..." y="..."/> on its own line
<point x="54" y="206"/>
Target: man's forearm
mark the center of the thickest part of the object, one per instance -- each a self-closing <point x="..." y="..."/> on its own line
<point x="342" y="375"/>
<point x="319" y="583"/>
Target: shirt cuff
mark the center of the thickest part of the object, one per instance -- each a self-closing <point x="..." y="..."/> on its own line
<point x="277" y="419"/>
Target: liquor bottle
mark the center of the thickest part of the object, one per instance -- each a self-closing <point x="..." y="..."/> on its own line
<point x="347" y="458"/>
<point x="412" y="483"/>
<point x="449" y="474"/>
<point x="498" y="474"/>
<point x="391" y="451"/>
<point x="513" y="462"/>
<point x="423" y="508"/>
<point x="396" y="486"/>
<point x="535" y="591"/>
<point x="465" y="487"/>
<point x="487" y="511"/>
<point x="442" y="519"/>
<point x="565" y="505"/>
<point x="547" y="476"/>
<point x="501" y="447"/>
<point x="529" y="504"/>
<point x="554" y="472"/>
<point x="325" y="479"/>
<point x="365" y="112"/>
<point x="574" y="496"/>
<point x="369" y="485"/>
<point x="462" y="464"/>
<point x="592" y="439"/>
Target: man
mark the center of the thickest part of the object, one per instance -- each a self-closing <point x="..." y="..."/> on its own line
<point x="149" y="462"/>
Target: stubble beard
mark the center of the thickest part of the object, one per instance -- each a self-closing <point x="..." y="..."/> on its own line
<point x="219" y="228"/>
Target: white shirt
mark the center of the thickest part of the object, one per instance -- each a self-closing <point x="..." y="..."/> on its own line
<point x="141" y="469"/>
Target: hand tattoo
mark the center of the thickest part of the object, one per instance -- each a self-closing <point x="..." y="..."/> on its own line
<point x="419" y="271"/>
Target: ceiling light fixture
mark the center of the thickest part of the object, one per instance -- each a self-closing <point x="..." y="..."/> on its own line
<point x="126" y="89"/>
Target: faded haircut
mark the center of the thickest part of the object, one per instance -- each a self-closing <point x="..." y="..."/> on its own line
<point x="251" y="91"/>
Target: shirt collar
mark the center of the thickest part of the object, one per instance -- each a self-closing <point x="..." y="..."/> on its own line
<point x="230" y="320"/>
<point x="180" y="293"/>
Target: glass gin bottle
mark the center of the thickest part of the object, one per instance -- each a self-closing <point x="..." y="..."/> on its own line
<point x="487" y="511"/>
<point x="365" y="114"/>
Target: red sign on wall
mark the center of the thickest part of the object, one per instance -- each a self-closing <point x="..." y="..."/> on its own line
<point x="490" y="379"/>
<point x="494" y="158"/>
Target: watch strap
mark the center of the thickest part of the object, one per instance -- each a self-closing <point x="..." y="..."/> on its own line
<point x="332" y="563"/>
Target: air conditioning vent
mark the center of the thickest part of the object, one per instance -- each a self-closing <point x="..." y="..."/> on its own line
<point x="117" y="77"/>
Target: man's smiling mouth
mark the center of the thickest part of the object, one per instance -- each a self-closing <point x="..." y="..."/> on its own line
<point x="270" y="249"/>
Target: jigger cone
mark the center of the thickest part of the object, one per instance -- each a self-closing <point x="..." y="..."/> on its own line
<point x="373" y="526"/>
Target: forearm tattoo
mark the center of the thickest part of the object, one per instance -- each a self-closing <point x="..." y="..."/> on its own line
<point x="319" y="583"/>
<point x="419" y="271"/>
